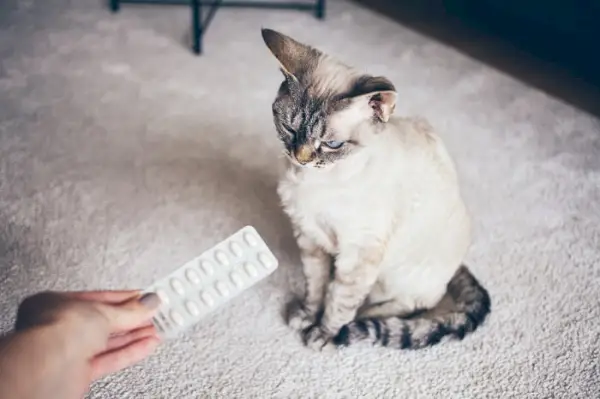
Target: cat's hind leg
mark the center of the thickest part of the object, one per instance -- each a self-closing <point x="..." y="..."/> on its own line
<point x="317" y="265"/>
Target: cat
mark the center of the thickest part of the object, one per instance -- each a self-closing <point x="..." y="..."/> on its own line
<point x="376" y="210"/>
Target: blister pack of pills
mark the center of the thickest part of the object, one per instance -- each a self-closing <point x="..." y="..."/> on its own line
<point x="208" y="281"/>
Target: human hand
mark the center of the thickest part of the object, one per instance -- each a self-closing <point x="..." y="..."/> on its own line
<point x="85" y="335"/>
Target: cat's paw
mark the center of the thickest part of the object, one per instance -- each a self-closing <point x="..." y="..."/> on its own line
<point x="299" y="318"/>
<point x="318" y="338"/>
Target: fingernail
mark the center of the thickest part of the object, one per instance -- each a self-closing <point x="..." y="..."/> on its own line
<point x="150" y="300"/>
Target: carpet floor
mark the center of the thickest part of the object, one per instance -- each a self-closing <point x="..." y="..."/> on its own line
<point x="122" y="156"/>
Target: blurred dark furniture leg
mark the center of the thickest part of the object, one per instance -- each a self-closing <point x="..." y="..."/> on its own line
<point x="197" y="28"/>
<point x="320" y="9"/>
<point x="200" y="23"/>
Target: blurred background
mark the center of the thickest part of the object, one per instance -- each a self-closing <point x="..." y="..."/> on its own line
<point x="550" y="45"/>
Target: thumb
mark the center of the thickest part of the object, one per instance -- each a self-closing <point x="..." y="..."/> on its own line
<point x="132" y="313"/>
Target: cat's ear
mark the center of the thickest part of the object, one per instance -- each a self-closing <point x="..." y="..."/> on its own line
<point x="383" y="104"/>
<point x="295" y="58"/>
<point x="376" y="93"/>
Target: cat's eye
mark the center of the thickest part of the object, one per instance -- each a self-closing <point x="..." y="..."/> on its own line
<point x="334" y="145"/>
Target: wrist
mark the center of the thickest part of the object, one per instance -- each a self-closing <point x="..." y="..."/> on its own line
<point x="38" y="363"/>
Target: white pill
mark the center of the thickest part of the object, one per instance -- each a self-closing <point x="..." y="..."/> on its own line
<point x="206" y="267"/>
<point x="164" y="298"/>
<point x="265" y="260"/>
<point x="222" y="288"/>
<point x="177" y="318"/>
<point x="177" y="286"/>
<point x="250" y="269"/>
<point x="250" y="239"/>
<point x="192" y="308"/>
<point x="235" y="249"/>
<point x="236" y="279"/>
<point x="207" y="299"/>
<point x="222" y="258"/>
<point x="192" y="276"/>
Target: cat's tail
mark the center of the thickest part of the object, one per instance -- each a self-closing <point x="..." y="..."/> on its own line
<point x="463" y="308"/>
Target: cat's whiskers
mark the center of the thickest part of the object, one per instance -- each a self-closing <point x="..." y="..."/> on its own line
<point x="292" y="160"/>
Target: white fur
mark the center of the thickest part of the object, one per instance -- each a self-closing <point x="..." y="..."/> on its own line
<point x="399" y="192"/>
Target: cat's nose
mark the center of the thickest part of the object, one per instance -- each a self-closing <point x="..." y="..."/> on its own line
<point x="304" y="154"/>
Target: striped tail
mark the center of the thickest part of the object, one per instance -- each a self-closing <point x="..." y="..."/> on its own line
<point x="463" y="308"/>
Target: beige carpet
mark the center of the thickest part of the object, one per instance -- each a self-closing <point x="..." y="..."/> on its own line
<point x="122" y="155"/>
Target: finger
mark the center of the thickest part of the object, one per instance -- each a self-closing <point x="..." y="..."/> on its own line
<point x="112" y="297"/>
<point x="147" y="323"/>
<point x="118" y="359"/>
<point x="131" y="314"/>
<point x="119" y="341"/>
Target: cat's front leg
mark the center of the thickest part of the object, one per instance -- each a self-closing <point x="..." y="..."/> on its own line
<point x="316" y="264"/>
<point x="355" y="273"/>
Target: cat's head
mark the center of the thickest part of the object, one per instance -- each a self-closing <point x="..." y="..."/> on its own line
<point x="323" y="108"/>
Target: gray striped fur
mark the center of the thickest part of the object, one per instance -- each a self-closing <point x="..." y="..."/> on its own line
<point x="464" y="307"/>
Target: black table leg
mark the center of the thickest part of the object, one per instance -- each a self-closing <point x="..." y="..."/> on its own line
<point x="115" y="5"/>
<point x="320" y="9"/>
<point x="197" y="28"/>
